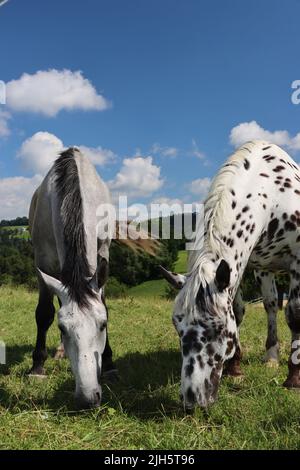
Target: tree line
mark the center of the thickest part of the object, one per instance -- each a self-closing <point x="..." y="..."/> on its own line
<point x="18" y="222"/>
<point x="128" y="267"/>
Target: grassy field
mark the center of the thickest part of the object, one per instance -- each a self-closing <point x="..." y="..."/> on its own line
<point x="180" y="266"/>
<point x="156" y="288"/>
<point x="142" y="411"/>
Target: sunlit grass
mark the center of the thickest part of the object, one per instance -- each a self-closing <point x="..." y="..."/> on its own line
<point x="143" y="410"/>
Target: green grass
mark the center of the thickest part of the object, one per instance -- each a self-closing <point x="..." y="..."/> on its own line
<point x="142" y="411"/>
<point x="181" y="263"/>
<point x="149" y="289"/>
<point x="157" y="288"/>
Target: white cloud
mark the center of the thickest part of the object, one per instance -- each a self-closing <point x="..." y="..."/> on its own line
<point x="200" y="186"/>
<point x="196" y="152"/>
<point x="39" y="152"/>
<point x="170" y="152"/>
<point x="138" y="177"/>
<point x="168" y="206"/>
<point x="49" y="92"/>
<point x="98" y="156"/>
<point x="16" y="194"/>
<point x="166" y="200"/>
<point x="4" y="128"/>
<point x="157" y="149"/>
<point x="252" y="130"/>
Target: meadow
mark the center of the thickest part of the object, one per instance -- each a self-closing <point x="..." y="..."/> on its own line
<point x="157" y="288"/>
<point x="142" y="410"/>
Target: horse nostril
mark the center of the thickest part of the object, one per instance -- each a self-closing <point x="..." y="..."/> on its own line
<point x="88" y="400"/>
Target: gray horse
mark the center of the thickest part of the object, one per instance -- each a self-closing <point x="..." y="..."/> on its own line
<point x="72" y="263"/>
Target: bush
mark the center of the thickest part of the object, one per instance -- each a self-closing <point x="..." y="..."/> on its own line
<point x="32" y="283"/>
<point x="170" y="292"/>
<point x="115" y="289"/>
<point x="16" y="259"/>
<point x="6" y="279"/>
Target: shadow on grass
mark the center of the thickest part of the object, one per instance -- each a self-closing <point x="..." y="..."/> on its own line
<point x="146" y="385"/>
<point x="143" y="390"/>
<point x="15" y="354"/>
<point x="148" y="388"/>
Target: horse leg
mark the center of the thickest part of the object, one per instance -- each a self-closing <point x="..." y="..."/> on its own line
<point x="270" y="301"/>
<point x="233" y="365"/>
<point x="109" y="368"/>
<point x="44" y="316"/>
<point x="108" y="365"/>
<point x="60" y="351"/>
<point x="292" y="313"/>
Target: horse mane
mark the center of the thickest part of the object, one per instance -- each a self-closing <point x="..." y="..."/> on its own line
<point x="75" y="274"/>
<point x="217" y="206"/>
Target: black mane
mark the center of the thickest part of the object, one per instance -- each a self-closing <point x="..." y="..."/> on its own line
<point x="76" y="270"/>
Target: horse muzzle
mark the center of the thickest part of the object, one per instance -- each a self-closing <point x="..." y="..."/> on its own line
<point x="85" y="401"/>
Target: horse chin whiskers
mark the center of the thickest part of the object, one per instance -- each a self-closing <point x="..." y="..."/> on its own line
<point x="91" y="401"/>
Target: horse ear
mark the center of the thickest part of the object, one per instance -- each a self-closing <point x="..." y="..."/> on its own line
<point x="94" y="282"/>
<point x="222" y="275"/>
<point x="176" y="280"/>
<point x="53" y="284"/>
<point x="103" y="271"/>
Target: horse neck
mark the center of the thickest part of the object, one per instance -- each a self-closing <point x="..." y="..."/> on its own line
<point x="242" y="204"/>
<point x="231" y="247"/>
<point x="239" y="236"/>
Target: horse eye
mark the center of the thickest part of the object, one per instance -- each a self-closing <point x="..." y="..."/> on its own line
<point x="103" y="326"/>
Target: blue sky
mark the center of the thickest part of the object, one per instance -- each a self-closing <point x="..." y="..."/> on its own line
<point x="176" y="76"/>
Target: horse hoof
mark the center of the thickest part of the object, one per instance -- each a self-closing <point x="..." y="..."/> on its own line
<point x="38" y="372"/>
<point x="292" y="384"/>
<point x="272" y="355"/>
<point x="237" y="379"/>
<point x="59" y="355"/>
<point x="37" y="376"/>
<point x="234" y="372"/>
<point x="272" y="363"/>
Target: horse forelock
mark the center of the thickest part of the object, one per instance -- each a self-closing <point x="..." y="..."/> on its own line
<point x="75" y="273"/>
<point x="199" y="278"/>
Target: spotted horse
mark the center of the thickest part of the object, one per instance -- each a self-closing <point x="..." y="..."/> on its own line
<point x="251" y="217"/>
<point x="267" y="284"/>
